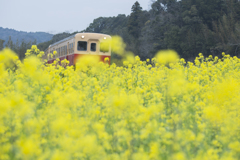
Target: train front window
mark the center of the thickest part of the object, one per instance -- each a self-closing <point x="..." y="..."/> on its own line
<point x="104" y="47"/>
<point x="93" y="47"/>
<point x="82" y="46"/>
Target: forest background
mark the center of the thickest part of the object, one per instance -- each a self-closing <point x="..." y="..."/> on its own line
<point x="190" y="27"/>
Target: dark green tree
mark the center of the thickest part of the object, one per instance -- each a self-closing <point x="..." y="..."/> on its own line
<point x="16" y="46"/>
<point x="191" y="33"/>
<point x="108" y="25"/>
<point x="208" y="10"/>
<point x="227" y="36"/>
<point x="1" y="44"/>
<point x="134" y="23"/>
<point x="22" y="50"/>
<point x="9" y="44"/>
<point x="98" y="25"/>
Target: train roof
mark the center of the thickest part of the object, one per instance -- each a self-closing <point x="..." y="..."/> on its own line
<point x="75" y="35"/>
<point x="63" y="40"/>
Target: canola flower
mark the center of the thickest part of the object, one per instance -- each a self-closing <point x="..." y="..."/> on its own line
<point x="117" y="45"/>
<point x="150" y="110"/>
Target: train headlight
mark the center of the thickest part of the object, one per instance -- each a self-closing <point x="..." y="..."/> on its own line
<point x="104" y="38"/>
<point x="82" y="37"/>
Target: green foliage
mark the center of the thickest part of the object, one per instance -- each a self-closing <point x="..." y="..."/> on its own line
<point x="191" y="27"/>
<point x="227" y="32"/>
<point x="134" y="22"/>
<point x="109" y="25"/>
<point x="1" y="44"/>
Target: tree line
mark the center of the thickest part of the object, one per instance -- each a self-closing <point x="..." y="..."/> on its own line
<point x="20" y="47"/>
<point x="188" y="26"/>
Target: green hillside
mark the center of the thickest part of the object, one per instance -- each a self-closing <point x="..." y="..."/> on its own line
<point x="39" y="37"/>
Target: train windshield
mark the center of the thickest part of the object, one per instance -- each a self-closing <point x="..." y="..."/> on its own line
<point x="82" y="46"/>
<point x="104" y="46"/>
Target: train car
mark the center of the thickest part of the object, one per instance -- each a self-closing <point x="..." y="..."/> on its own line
<point x="80" y="44"/>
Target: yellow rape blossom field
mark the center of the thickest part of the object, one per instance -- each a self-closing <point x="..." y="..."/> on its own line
<point x="159" y="109"/>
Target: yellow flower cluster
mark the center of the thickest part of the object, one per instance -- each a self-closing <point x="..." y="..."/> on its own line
<point x="164" y="108"/>
<point x="34" y="51"/>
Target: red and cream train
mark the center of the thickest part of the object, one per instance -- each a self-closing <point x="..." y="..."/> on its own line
<point x="77" y="45"/>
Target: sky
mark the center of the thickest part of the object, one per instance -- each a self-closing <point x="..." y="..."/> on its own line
<point x="56" y="16"/>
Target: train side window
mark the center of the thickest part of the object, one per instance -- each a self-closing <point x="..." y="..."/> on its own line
<point x="69" y="47"/>
<point x="93" y="47"/>
<point x="82" y="46"/>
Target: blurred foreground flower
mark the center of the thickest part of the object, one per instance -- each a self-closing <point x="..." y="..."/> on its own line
<point x="129" y="59"/>
<point x="86" y="61"/>
<point x="7" y="58"/>
<point x="117" y="45"/>
<point x="166" y="56"/>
